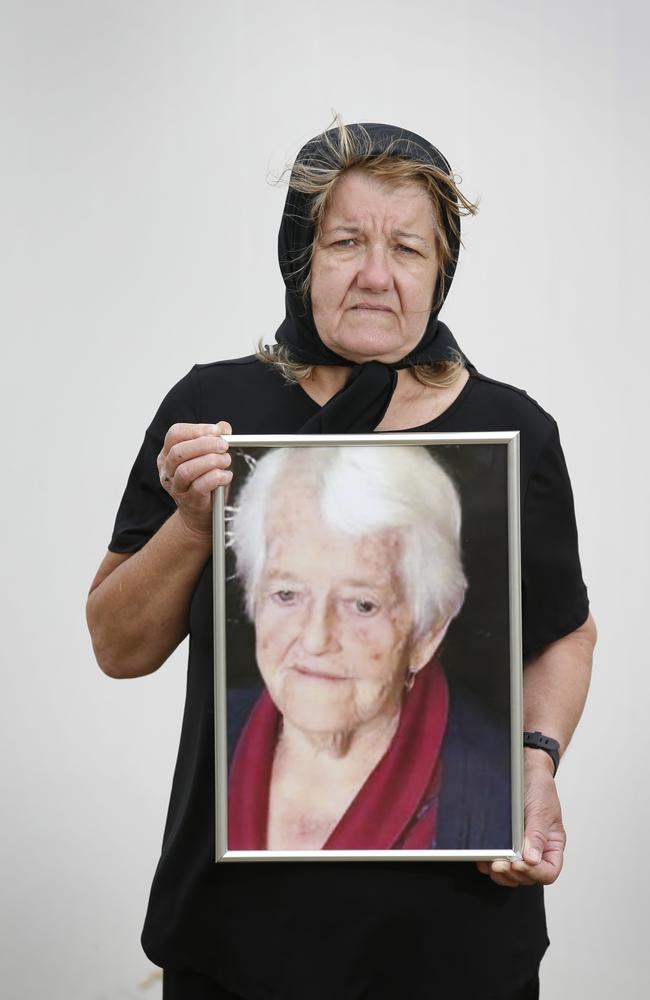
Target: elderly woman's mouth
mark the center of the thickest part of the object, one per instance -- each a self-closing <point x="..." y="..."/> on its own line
<point x="318" y="674"/>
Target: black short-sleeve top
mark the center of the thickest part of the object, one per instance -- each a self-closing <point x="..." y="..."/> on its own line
<point x="345" y="930"/>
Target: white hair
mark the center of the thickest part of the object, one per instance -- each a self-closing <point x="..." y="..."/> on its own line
<point x="362" y="491"/>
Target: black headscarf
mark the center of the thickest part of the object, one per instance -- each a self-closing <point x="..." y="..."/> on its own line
<point x="362" y="402"/>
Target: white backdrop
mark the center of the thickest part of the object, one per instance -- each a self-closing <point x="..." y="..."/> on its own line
<point x="139" y="236"/>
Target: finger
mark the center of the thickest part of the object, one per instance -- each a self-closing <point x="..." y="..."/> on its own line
<point x="186" y="432"/>
<point x="223" y="427"/>
<point x="210" y="481"/>
<point x="186" y="475"/>
<point x="483" y="867"/>
<point x="533" y="848"/>
<point x="536" y="875"/>
<point x="513" y="875"/>
<point x="184" y="451"/>
<point x="546" y="872"/>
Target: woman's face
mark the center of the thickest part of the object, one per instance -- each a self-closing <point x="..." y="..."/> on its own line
<point x="373" y="273"/>
<point x="332" y="625"/>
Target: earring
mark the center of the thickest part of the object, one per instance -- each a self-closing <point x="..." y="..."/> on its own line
<point x="409" y="680"/>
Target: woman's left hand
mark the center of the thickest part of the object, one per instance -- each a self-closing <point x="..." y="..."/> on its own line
<point x="544" y="834"/>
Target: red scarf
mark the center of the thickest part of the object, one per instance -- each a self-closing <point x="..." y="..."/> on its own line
<point x="396" y="807"/>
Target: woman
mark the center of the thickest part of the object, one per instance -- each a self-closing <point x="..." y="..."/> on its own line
<point x="368" y="245"/>
<point x="350" y="564"/>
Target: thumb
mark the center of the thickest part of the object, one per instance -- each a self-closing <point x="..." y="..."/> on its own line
<point x="534" y="842"/>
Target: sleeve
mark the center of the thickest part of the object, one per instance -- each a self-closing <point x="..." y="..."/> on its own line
<point x="554" y="596"/>
<point x="145" y="505"/>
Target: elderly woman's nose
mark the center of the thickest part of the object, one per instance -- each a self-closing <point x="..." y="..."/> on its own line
<point x="375" y="270"/>
<point x="317" y="634"/>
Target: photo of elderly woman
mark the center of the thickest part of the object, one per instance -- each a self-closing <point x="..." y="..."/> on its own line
<point x="348" y="564"/>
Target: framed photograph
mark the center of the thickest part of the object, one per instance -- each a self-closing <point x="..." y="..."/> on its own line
<point x="368" y="670"/>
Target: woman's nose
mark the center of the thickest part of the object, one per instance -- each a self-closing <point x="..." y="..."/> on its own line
<point x="375" y="271"/>
<point x="318" y="629"/>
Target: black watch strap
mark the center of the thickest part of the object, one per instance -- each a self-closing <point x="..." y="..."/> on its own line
<point x="545" y="743"/>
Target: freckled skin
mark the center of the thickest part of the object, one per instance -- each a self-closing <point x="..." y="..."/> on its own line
<point x="332" y="625"/>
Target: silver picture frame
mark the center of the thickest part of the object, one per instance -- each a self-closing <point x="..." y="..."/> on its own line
<point x="469" y="451"/>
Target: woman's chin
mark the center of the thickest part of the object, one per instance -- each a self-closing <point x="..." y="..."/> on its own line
<point x="359" y="347"/>
<point x="320" y="718"/>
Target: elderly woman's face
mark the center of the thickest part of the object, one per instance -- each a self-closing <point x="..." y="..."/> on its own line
<point x="374" y="271"/>
<point x="332" y="624"/>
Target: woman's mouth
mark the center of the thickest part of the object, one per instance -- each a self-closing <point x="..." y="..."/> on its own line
<point x="322" y="675"/>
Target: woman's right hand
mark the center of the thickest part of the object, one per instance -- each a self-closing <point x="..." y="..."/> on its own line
<point x="193" y="462"/>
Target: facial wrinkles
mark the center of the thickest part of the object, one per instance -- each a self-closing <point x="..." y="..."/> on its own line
<point x="387" y="228"/>
<point x="382" y="238"/>
<point x="377" y="266"/>
<point x="379" y="210"/>
<point x="320" y="563"/>
<point x="333" y="570"/>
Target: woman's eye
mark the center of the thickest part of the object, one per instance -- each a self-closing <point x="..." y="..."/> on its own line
<point x="346" y="244"/>
<point x="364" y="607"/>
<point x="284" y="596"/>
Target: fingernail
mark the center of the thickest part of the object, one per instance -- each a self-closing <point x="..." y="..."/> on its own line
<point x="533" y="855"/>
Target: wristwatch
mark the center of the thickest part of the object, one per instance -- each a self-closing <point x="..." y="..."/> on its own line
<point x="546" y="743"/>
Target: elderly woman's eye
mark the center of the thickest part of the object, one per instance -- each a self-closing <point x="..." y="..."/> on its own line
<point x="365" y="607"/>
<point x="284" y="596"/>
<point x="409" y="250"/>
